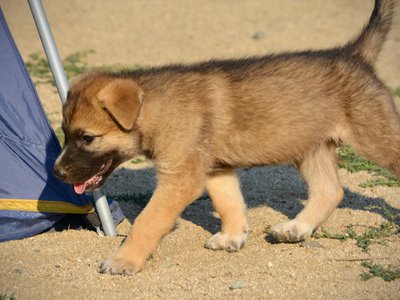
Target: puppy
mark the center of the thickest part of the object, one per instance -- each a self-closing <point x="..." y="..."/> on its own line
<point x="199" y="122"/>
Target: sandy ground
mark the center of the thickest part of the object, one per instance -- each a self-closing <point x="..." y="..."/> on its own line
<point x="64" y="265"/>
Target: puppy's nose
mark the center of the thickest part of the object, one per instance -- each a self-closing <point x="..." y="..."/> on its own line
<point x="60" y="173"/>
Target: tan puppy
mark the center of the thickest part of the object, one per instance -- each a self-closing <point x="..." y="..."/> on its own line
<point x="199" y="122"/>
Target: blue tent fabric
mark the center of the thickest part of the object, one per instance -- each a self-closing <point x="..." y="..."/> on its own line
<point x="32" y="200"/>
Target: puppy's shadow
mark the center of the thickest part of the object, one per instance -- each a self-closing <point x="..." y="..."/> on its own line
<point x="279" y="187"/>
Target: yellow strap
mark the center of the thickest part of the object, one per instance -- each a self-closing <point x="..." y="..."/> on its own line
<point x="45" y="206"/>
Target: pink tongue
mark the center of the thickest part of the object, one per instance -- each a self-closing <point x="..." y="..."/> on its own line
<point x="80" y="187"/>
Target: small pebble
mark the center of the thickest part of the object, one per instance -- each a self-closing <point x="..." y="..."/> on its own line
<point x="270" y="292"/>
<point x="238" y="284"/>
<point x="258" y="35"/>
<point x="270" y="264"/>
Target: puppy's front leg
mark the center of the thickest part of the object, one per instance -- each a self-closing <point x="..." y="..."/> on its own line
<point x="224" y="190"/>
<point x="157" y="219"/>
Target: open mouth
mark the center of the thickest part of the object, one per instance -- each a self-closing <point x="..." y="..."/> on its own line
<point x="92" y="181"/>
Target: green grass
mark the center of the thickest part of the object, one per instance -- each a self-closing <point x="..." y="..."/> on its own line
<point x="389" y="180"/>
<point x="396" y="92"/>
<point x="351" y="161"/>
<point x="5" y="296"/>
<point x="364" y="240"/>
<point x="138" y="160"/>
<point x="373" y="234"/>
<point x="393" y="218"/>
<point x="73" y="64"/>
<point x="387" y="273"/>
<point x="325" y="234"/>
<point x="60" y="136"/>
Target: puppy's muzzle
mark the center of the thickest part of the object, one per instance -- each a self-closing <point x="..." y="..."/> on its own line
<point x="60" y="173"/>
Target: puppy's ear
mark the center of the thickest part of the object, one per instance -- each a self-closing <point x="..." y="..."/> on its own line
<point x="122" y="99"/>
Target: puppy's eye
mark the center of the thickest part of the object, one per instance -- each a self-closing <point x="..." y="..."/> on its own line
<point x="87" y="139"/>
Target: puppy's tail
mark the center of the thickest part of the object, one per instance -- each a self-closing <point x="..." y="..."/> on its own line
<point x="369" y="43"/>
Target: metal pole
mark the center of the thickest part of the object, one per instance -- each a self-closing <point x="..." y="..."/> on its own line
<point x="50" y="48"/>
<point x="57" y="69"/>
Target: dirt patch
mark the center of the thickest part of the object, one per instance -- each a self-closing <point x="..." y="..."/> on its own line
<point x="65" y="264"/>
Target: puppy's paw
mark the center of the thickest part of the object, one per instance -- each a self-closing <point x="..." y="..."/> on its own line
<point x="223" y="241"/>
<point x="116" y="266"/>
<point x="292" y="231"/>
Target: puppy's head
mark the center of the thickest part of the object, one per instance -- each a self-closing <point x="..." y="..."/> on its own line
<point x="99" y="125"/>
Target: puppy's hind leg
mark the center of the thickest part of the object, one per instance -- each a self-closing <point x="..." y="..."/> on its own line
<point x="375" y="132"/>
<point x="324" y="194"/>
<point x="224" y="190"/>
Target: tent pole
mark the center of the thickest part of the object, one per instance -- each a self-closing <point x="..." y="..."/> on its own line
<point x="50" y="48"/>
<point x="57" y="69"/>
